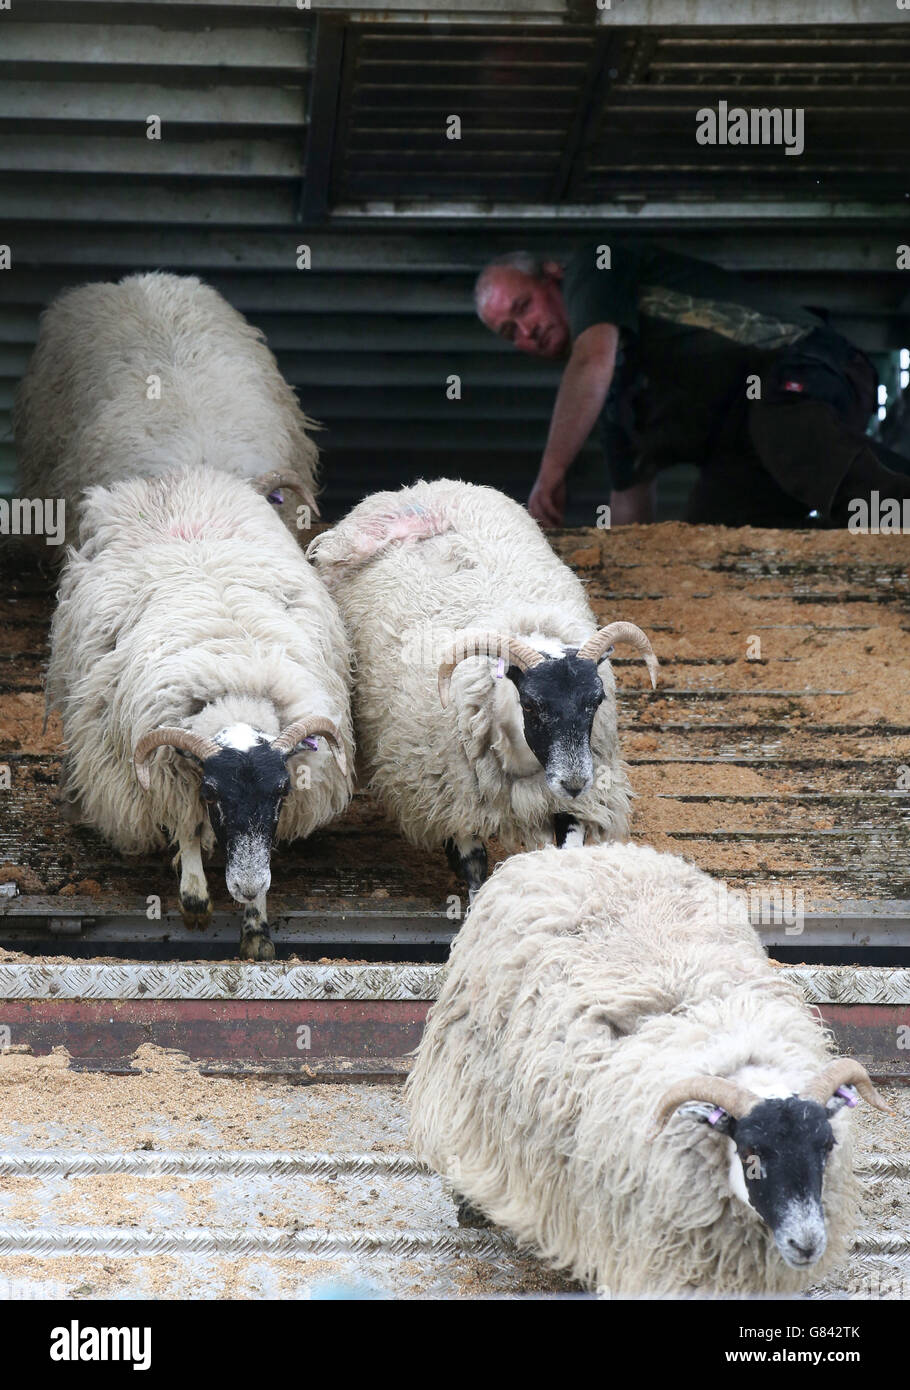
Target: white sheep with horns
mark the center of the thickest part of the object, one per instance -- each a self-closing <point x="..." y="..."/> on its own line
<point x="446" y="588"/>
<point x="191" y="621"/>
<point x="615" y="1073"/>
<point x="152" y="373"/>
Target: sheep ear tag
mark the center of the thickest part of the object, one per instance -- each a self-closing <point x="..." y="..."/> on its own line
<point x="844" y="1095"/>
<point x="308" y="742"/>
<point x="707" y="1114"/>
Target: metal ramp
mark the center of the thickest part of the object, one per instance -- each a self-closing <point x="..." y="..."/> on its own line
<point x="771" y="754"/>
<point x="197" y="1202"/>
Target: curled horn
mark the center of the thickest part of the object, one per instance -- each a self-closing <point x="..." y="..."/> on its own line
<point x="166" y="736"/>
<point x="295" y="733"/>
<point x="595" y="646"/>
<point x="466" y="644"/>
<point x="844" y="1071"/>
<point x="716" y="1090"/>
<point x="286" y="478"/>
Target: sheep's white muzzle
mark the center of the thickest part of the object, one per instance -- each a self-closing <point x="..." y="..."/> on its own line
<point x="248" y="873"/>
<point x="801" y="1237"/>
<point x="569" y="783"/>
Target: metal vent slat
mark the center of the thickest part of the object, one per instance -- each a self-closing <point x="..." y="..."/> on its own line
<point x="408" y="86"/>
<point x="112" y="48"/>
<point x="105" y="101"/>
<point x="112" y="156"/>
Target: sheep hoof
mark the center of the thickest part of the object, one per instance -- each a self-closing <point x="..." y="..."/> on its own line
<point x="256" y="945"/>
<point x="470" y="1216"/>
<point x="196" y="912"/>
<point x="468" y="859"/>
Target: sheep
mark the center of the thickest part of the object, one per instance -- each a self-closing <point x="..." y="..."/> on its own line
<point x="592" y="994"/>
<point x="191" y="620"/>
<point x="444" y="587"/>
<point x="139" y="377"/>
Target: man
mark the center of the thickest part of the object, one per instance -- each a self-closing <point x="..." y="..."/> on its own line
<point x="683" y="362"/>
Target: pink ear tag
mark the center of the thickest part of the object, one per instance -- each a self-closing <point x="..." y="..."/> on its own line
<point x="848" y="1094"/>
<point x="501" y="668"/>
<point x="276" y="497"/>
<point x="309" y="742"/>
<point x="716" y="1114"/>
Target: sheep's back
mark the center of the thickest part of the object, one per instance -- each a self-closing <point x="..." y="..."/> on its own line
<point x="411" y="569"/>
<point x="155" y="621"/>
<point x="584" y="983"/>
<point x="83" y="413"/>
<point x="446" y="552"/>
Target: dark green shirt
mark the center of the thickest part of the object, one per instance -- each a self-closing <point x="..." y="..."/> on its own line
<point x="690" y="334"/>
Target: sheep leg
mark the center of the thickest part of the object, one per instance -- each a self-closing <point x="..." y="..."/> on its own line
<point x="255" y="942"/>
<point x="70" y="805"/>
<point x="468" y="859"/>
<point x="466" y="1215"/>
<point x="195" y="903"/>
<point x="568" y="831"/>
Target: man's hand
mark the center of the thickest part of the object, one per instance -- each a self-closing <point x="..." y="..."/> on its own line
<point x="547" y="503"/>
<point x="579" y="401"/>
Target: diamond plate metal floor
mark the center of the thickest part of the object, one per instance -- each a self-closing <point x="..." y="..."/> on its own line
<point x="187" y="1216"/>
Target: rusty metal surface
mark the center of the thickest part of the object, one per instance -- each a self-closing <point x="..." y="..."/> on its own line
<point x="878" y="1035"/>
<point x="327" y="1023"/>
<point x="255" y="1030"/>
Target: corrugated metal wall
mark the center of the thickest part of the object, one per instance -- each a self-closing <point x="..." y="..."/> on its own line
<point x="579" y="117"/>
<point x="87" y="195"/>
<point x="371" y="332"/>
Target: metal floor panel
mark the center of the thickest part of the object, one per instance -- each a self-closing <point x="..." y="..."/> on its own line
<point x="291" y="1225"/>
<point x="166" y="1183"/>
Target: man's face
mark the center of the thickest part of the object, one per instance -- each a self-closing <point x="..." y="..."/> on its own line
<point x="529" y="313"/>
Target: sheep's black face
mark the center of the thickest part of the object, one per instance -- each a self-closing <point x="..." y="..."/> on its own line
<point x="783" y="1146"/>
<point x="559" y="699"/>
<point x="243" y="790"/>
